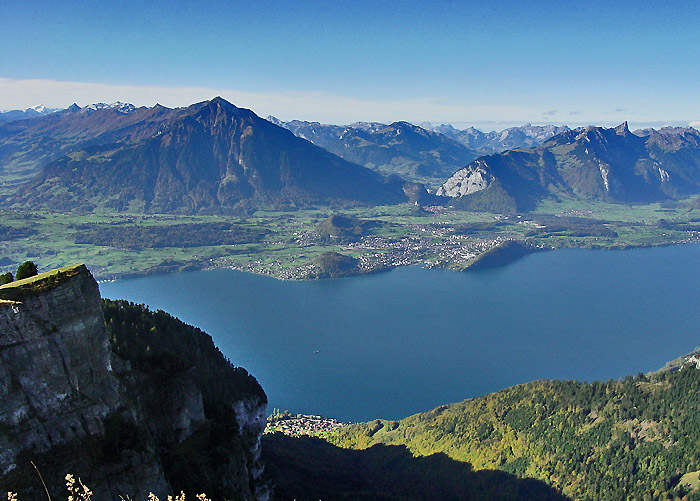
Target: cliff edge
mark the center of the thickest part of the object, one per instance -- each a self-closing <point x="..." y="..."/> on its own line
<point x="130" y="408"/>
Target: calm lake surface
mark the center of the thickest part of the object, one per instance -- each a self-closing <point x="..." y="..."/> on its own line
<point x="393" y="344"/>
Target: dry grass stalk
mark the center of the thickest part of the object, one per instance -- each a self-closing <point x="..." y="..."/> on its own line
<point x="78" y="491"/>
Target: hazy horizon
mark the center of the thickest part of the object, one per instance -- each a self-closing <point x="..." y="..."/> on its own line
<point x="463" y="63"/>
<point x="484" y="126"/>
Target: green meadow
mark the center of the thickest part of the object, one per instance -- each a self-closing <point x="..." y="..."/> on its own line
<point x="288" y="244"/>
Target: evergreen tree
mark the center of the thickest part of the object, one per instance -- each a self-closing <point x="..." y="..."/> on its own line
<point x="26" y="270"/>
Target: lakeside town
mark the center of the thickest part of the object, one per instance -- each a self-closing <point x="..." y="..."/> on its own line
<point x="288" y="246"/>
<point x="296" y="425"/>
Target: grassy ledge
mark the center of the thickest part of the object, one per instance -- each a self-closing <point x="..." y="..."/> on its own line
<point x="20" y="289"/>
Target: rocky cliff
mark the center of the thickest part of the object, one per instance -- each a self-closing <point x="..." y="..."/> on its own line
<point x="592" y="163"/>
<point x="124" y="413"/>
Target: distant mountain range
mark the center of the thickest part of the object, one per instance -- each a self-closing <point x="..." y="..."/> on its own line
<point x="423" y="154"/>
<point x="591" y="163"/>
<point x="399" y="148"/>
<point x="28" y="145"/>
<point x="41" y="110"/>
<point x="427" y="153"/>
<point x="208" y="157"/>
<point x="525" y="136"/>
<point x="213" y="157"/>
<point x="33" y="112"/>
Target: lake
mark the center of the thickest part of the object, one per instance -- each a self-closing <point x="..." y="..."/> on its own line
<point x="396" y="343"/>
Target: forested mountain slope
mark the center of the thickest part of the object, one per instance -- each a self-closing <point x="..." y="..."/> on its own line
<point x="630" y="439"/>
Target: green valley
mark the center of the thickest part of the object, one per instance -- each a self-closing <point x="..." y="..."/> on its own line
<point x="287" y="245"/>
<point x="379" y="251"/>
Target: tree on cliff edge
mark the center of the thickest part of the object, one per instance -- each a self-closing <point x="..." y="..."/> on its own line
<point x="26" y="270"/>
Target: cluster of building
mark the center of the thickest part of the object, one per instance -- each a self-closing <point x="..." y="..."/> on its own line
<point x="431" y="250"/>
<point x="300" y="424"/>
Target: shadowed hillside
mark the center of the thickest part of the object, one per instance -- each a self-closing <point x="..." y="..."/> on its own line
<point x="630" y="439"/>
<point x="310" y="468"/>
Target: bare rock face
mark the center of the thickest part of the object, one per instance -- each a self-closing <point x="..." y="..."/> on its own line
<point x="69" y="404"/>
<point x="466" y="181"/>
<point x="55" y="372"/>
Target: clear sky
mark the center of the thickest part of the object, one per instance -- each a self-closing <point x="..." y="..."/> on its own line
<point x="488" y="63"/>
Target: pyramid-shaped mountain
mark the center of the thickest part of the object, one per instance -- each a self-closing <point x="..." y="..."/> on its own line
<point x="592" y="163"/>
<point x="209" y="157"/>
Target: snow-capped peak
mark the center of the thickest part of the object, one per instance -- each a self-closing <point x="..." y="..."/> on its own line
<point x="23" y="114"/>
<point x="118" y="106"/>
<point x="39" y="108"/>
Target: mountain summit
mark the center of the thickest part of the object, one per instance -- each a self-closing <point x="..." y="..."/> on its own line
<point x="592" y="163"/>
<point x="400" y="148"/>
<point x="487" y="143"/>
<point x="209" y="157"/>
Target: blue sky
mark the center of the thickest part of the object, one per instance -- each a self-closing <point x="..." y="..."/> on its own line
<point x="491" y="64"/>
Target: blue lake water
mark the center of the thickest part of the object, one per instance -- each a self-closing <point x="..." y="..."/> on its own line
<point x="396" y="343"/>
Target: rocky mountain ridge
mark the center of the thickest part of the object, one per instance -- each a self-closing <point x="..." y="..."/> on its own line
<point x="26" y="113"/>
<point x="398" y="148"/>
<point x="211" y="157"/>
<point x="591" y="163"/>
<point x="486" y="143"/>
<point x="72" y="404"/>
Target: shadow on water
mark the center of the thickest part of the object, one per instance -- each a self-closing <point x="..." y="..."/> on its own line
<point x="309" y="468"/>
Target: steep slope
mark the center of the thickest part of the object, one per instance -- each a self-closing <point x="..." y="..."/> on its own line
<point x="28" y="145"/>
<point x="399" y="148"/>
<point x="210" y="157"/>
<point x="307" y="468"/>
<point x="631" y="439"/>
<point x="584" y="164"/>
<point x="128" y="406"/>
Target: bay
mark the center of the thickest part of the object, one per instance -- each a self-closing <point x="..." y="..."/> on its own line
<point x="396" y="343"/>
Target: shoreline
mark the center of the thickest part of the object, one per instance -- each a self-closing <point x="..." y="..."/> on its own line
<point x="113" y="277"/>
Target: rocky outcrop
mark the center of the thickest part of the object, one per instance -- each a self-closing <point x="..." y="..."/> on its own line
<point x="592" y="163"/>
<point x="57" y="383"/>
<point x="466" y="181"/>
<point x="71" y="404"/>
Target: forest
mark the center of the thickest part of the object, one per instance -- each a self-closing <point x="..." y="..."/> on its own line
<point x="173" y="235"/>
<point x="156" y="342"/>
<point x="630" y="439"/>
